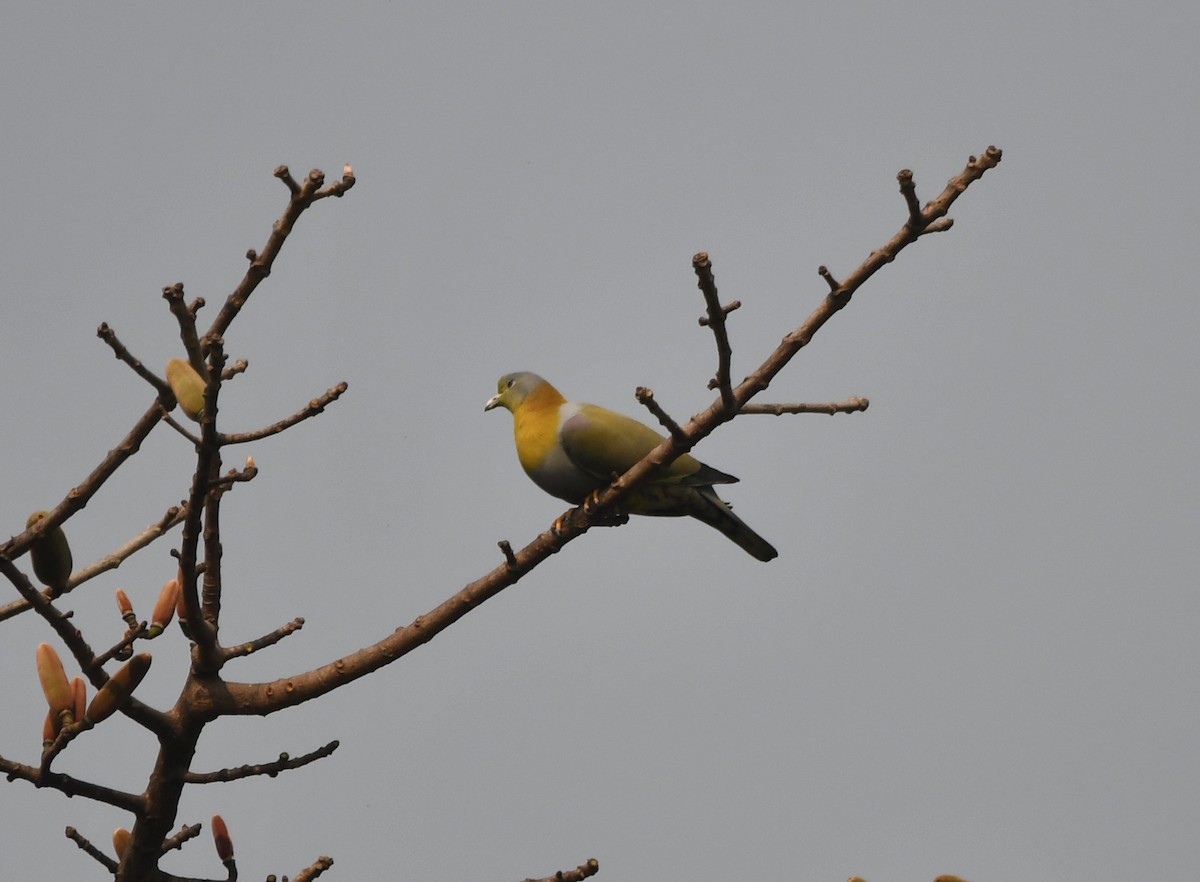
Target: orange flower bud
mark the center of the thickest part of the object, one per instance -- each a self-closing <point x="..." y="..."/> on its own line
<point x="120" y="842"/>
<point x="125" y="605"/>
<point x="54" y="679"/>
<point x="78" y="697"/>
<point x="221" y="838"/>
<point x="164" y="609"/>
<point x="114" y="693"/>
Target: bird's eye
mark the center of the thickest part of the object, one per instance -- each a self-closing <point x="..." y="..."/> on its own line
<point x="509" y="385"/>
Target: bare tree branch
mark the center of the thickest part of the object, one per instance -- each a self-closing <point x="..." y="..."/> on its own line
<point x="79" y="496"/>
<point x="91" y="850"/>
<point x="206" y="695"/>
<point x="303" y="195"/>
<point x="850" y="405"/>
<point x="69" y="786"/>
<point x="645" y="396"/>
<point x="314" y="407"/>
<point x="715" y="319"/>
<point x="110" y="561"/>
<point x="252" y="646"/>
<point x="583" y="871"/>
<point x="270" y="769"/>
<point x="186" y="317"/>
<point x="261" y="698"/>
<point x="109" y="336"/>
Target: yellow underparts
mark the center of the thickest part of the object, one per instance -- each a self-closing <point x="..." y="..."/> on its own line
<point x="535" y="425"/>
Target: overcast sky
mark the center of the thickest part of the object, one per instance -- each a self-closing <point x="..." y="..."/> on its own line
<point x="976" y="652"/>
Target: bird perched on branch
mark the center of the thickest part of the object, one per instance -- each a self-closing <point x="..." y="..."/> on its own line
<point x="571" y="450"/>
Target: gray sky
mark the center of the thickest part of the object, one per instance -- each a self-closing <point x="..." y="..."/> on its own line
<point x="976" y="652"/>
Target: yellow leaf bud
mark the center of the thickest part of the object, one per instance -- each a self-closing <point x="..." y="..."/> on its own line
<point x="188" y="387"/>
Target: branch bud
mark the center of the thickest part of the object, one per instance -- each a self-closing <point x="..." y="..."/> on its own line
<point x="164" y="608"/>
<point x="51" y="555"/>
<point x="55" y="685"/>
<point x="125" y="605"/>
<point x="78" y="697"/>
<point x="221" y="839"/>
<point x="116" y="691"/>
<point x="120" y="842"/>
<point x="188" y="387"/>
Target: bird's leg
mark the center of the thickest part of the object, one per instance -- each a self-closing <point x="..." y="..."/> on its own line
<point x="560" y="523"/>
<point x="601" y="518"/>
<point x="591" y="504"/>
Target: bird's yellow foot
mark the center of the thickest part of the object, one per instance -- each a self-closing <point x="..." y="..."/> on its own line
<point x="592" y="503"/>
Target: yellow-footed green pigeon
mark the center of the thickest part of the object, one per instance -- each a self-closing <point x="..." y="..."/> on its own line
<point x="570" y="450"/>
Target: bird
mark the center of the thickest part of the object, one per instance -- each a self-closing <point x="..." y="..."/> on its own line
<point x="571" y="450"/>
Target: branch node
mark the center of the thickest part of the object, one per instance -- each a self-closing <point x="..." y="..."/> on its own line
<point x="916" y="219"/>
<point x="725" y="310"/>
<point x="510" y="559"/>
<point x="824" y="273"/>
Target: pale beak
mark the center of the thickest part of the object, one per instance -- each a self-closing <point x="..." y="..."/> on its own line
<point x="494" y="401"/>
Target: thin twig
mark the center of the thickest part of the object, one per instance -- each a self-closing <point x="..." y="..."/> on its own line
<point x="238" y="367"/>
<point x="314" y="407"/>
<point x="110" y="561"/>
<point x="645" y="397"/>
<point x="271" y="769"/>
<point x="127" y="641"/>
<point x="850" y="405"/>
<point x="90" y="850"/>
<point x="109" y="336"/>
<point x="824" y="273"/>
<point x="302" y="196"/>
<point x="235" y="476"/>
<point x="715" y="320"/>
<point x="909" y="191"/>
<point x="69" y="786"/>
<point x="79" y="495"/>
<point x="239" y="650"/>
<point x="185" y="833"/>
<point x="186" y="317"/>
